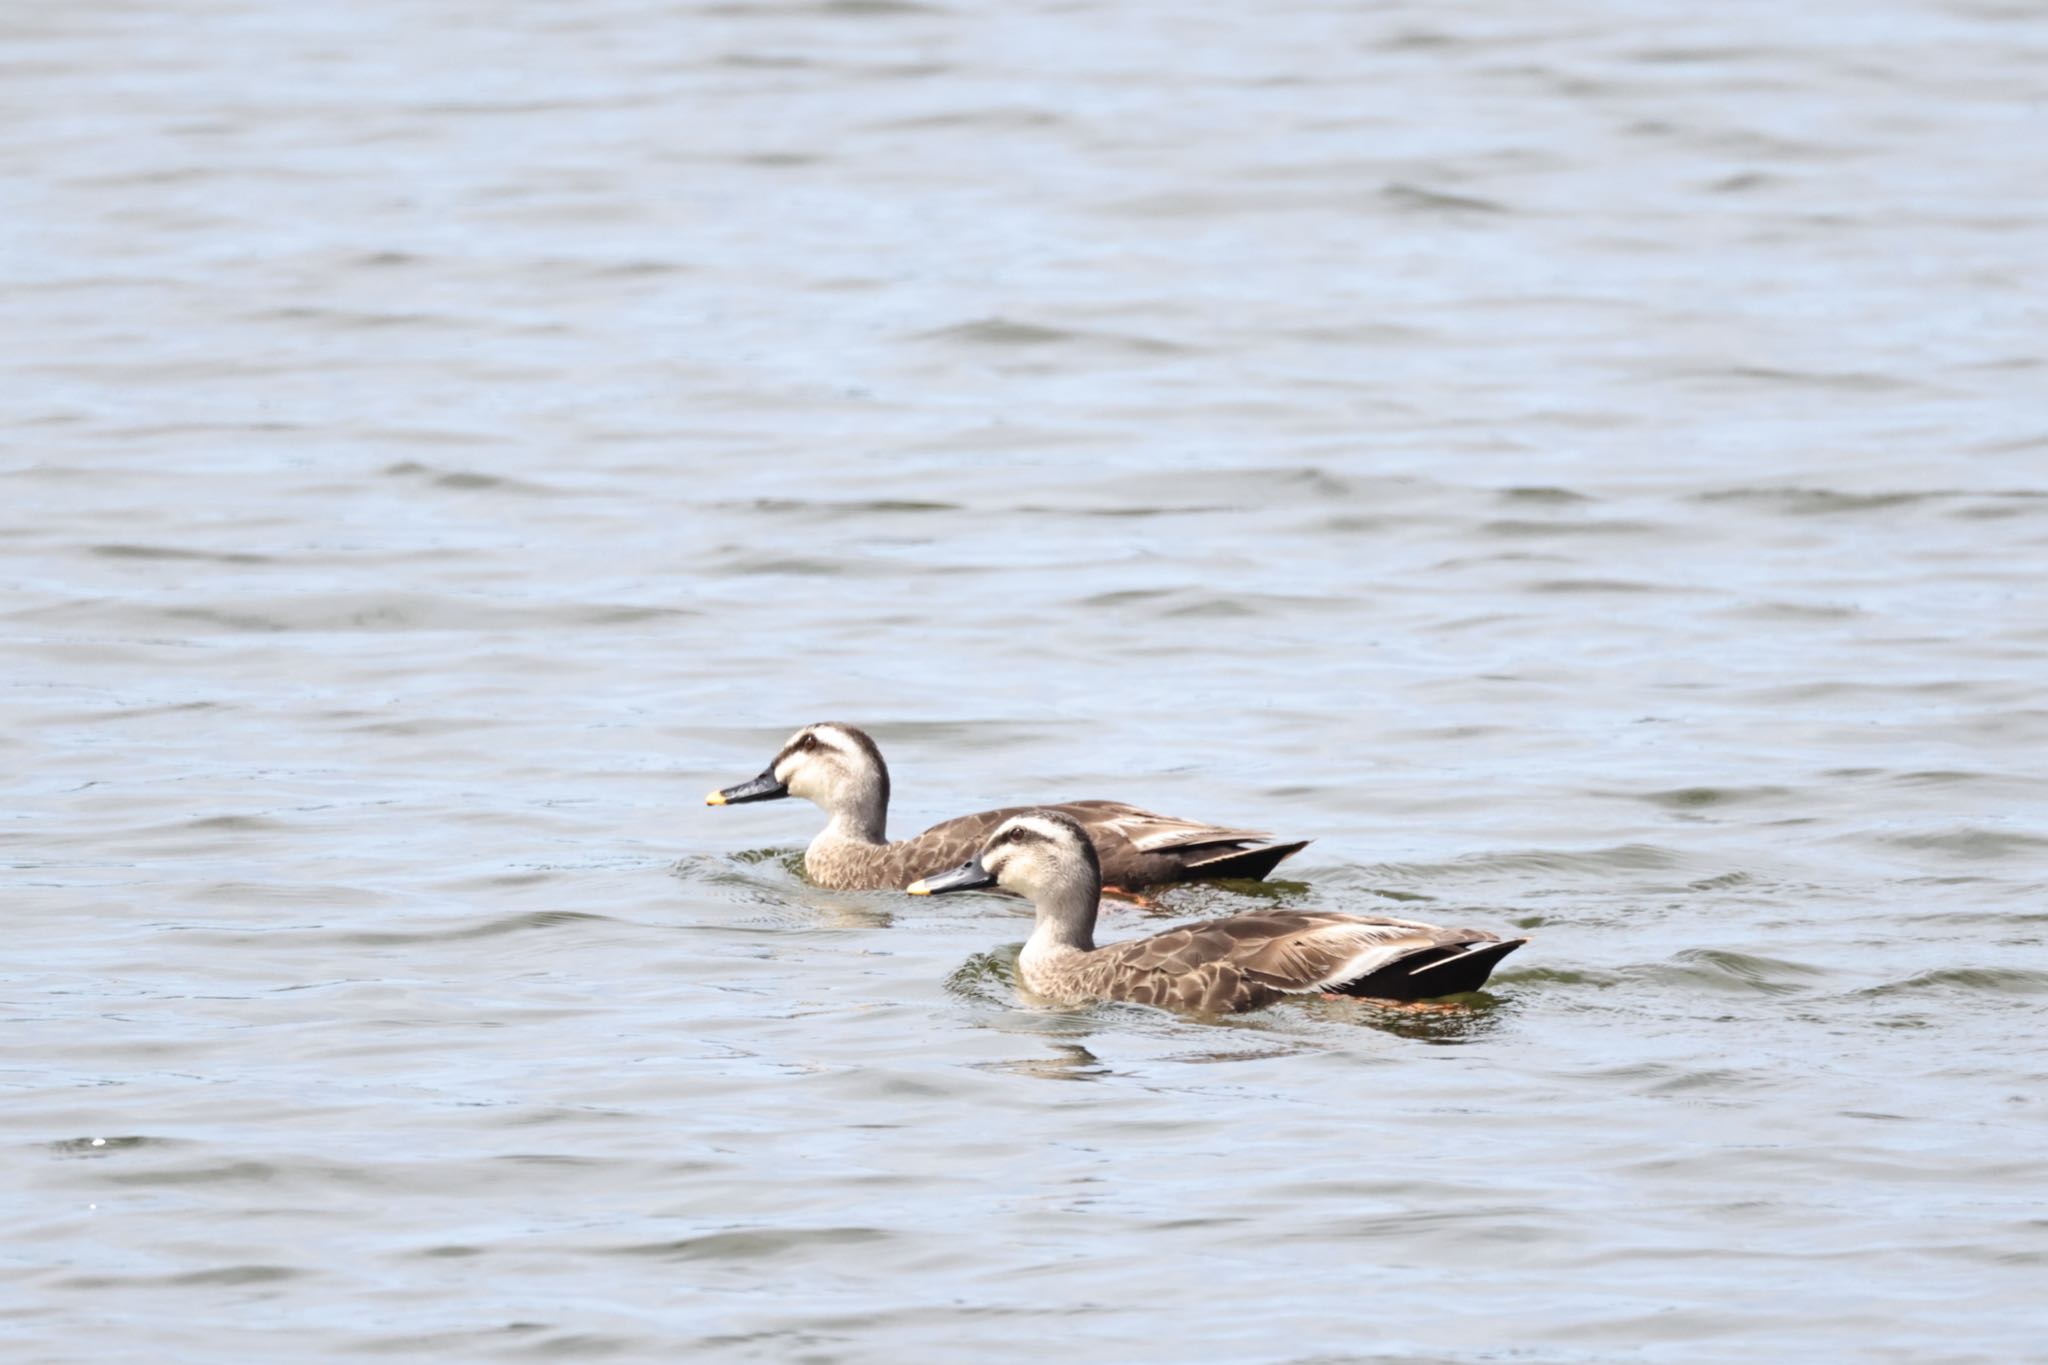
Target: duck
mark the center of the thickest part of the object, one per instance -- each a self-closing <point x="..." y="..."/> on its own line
<point x="838" y="767"/>
<point x="1219" y="966"/>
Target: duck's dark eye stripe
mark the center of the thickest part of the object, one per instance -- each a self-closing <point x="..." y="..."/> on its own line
<point x="801" y="744"/>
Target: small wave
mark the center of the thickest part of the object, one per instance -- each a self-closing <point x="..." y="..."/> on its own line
<point x="1004" y="332"/>
<point x="736" y="869"/>
<point x="1748" y="973"/>
<point x="1974" y="843"/>
<point x="1704" y="798"/>
<point x="823" y="509"/>
<point x="1523" y="527"/>
<point x="986" y="978"/>
<point x="2033" y="910"/>
<point x="1245" y="486"/>
<point x="1458" y="562"/>
<point x="746" y="563"/>
<point x="1857" y="688"/>
<point x="1416" y="199"/>
<point x="1127" y="513"/>
<point x="490" y="928"/>
<point x="752" y="1244"/>
<point x="346" y="614"/>
<point x="1019" y="117"/>
<point x="306" y="895"/>
<point x="1188" y="603"/>
<point x="467" y="480"/>
<point x="759" y="61"/>
<point x="1844" y="381"/>
<point x="779" y="160"/>
<point x="1791" y="611"/>
<point x="2004" y="507"/>
<point x="205" y="1173"/>
<point x="135" y="712"/>
<point x="228" y="1275"/>
<point x="422" y="727"/>
<point x="1543" y="496"/>
<point x="1719" y="1079"/>
<point x="2001" y="980"/>
<point x="1126" y="597"/>
<point x="236" y="1274"/>
<point x="1223" y="607"/>
<point x="1592" y="862"/>
<point x="1743" y="181"/>
<point x="1816" y="502"/>
<point x="1594" y="585"/>
<point x="870" y="9"/>
<point x="1941" y="777"/>
<point x="1545" y="977"/>
<point x="359" y="319"/>
<point x="96" y="1147"/>
<point x="172" y="552"/>
<point x="231" y="823"/>
<point x="1206" y="900"/>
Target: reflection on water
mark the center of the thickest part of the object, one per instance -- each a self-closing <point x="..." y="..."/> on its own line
<point x="1590" y="476"/>
<point x="1459" y="1019"/>
<point x="1068" y="1062"/>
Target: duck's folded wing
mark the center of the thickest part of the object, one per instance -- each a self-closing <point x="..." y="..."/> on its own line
<point x="1149" y="831"/>
<point x="1333" y="951"/>
<point x="1293" y="952"/>
<point x="947" y="844"/>
<point x="1137" y="847"/>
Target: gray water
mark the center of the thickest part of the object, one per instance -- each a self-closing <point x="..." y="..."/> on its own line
<point x="1585" y="465"/>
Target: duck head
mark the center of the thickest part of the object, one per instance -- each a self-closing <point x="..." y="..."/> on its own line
<point x="1040" y="854"/>
<point x="828" y="764"/>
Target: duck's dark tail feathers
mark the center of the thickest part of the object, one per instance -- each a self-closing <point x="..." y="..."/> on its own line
<point x="1436" y="971"/>
<point x="1249" y="864"/>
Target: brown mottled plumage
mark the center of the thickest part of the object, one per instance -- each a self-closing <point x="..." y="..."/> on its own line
<point x="1218" y="966"/>
<point x="839" y="768"/>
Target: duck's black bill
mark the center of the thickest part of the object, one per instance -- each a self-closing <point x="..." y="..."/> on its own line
<point x="762" y="788"/>
<point x="966" y="877"/>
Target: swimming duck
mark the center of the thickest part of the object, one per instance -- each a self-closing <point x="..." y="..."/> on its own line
<point x="1218" y="966"/>
<point x="839" y="768"/>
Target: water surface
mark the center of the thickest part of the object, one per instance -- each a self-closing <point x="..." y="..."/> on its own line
<point x="1588" y="469"/>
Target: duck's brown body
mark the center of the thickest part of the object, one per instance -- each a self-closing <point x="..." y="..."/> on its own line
<point x="1137" y="847"/>
<point x="1247" y="962"/>
<point x="839" y="768"/>
<point x="1220" y="966"/>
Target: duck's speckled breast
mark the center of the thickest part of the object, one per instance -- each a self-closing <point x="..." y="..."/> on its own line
<point x="843" y="865"/>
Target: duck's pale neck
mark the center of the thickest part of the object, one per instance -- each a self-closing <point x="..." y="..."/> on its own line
<point x="1066" y="920"/>
<point x="858" y="817"/>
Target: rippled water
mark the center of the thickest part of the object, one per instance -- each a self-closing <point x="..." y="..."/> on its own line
<point x="1587" y="467"/>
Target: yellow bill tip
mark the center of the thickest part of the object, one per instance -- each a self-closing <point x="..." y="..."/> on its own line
<point x="918" y="888"/>
<point x="715" y="799"/>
